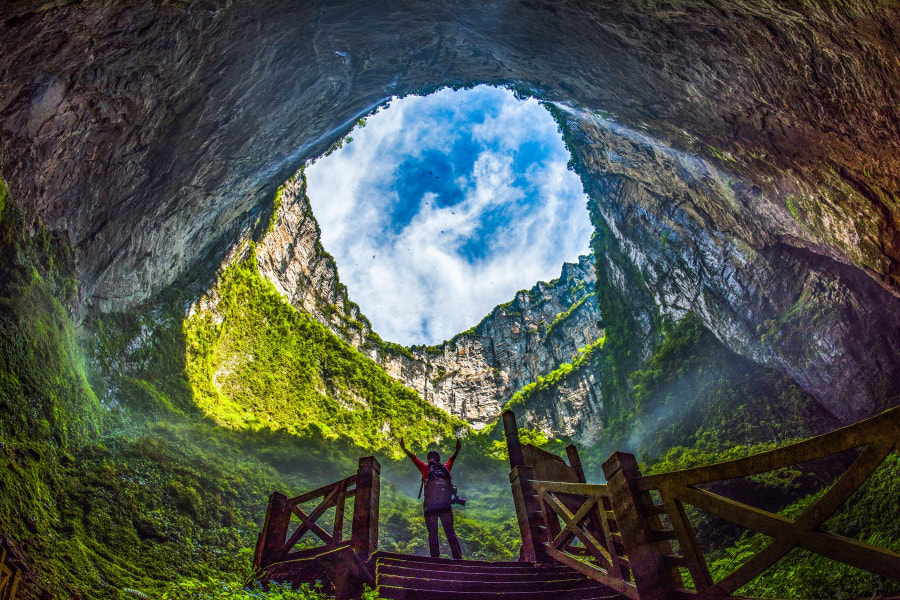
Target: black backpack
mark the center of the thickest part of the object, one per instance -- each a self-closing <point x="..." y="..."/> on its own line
<point x="439" y="488"/>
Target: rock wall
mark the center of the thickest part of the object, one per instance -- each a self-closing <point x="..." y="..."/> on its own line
<point x="152" y="134"/>
<point x="472" y="375"/>
<point x="757" y="276"/>
<point x="148" y="131"/>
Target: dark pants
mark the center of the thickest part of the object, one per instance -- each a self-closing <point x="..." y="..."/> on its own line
<point x="431" y="522"/>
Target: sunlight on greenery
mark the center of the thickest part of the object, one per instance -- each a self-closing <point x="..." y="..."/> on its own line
<point x="255" y="361"/>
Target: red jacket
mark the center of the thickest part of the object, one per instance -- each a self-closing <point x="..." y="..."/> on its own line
<point x="423" y="466"/>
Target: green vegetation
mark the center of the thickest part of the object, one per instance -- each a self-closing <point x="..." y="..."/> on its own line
<point x="552" y="379"/>
<point x="563" y="316"/>
<point x="254" y="361"/>
<point x="792" y="207"/>
<point x="191" y="589"/>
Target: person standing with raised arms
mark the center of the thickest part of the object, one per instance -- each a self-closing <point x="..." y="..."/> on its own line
<point x="440" y="495"/>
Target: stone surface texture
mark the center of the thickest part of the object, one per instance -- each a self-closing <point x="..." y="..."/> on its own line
<point x="762" y="136"/>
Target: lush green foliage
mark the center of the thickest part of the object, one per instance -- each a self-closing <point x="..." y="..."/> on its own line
<point x="564" y="315"/>
<point x="552" y="379"/>
<point x="255" y="361"/>
<point x="871" y="516"/>
<point x="44" y="394"/>
<point x="197" y="589"/>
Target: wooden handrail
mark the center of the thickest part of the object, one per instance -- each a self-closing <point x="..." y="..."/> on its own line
<point x="275" y="545"/>
<point x="885" y="426"/>
<point x="626" y="546"/>
<point x="876" y="437"/>
<point x="9" y="578"/>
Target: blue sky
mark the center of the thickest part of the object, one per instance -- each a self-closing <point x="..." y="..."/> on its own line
<point x="444" y="206"/>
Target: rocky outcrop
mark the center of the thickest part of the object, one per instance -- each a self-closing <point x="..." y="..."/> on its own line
<point x="472" y="375"/>
<point x="152" y="134"/>
<point x="760" y="277"/>
<point x="145" y="131"/>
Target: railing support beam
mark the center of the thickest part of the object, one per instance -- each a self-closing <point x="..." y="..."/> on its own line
<point x="270" y="544"/>
<point x="645" y="561"/>
<point x="365" y="508"/>
<point x="529" y="512"/>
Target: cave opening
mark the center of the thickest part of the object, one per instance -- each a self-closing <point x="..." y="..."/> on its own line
<point x="439" y="207"/>
<point x="741" y="164"/>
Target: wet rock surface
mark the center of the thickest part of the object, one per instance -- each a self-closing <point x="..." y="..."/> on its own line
<point x="151" y="134"/>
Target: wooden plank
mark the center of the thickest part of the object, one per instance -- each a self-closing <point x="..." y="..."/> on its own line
<point x="623" y="475"/>
<point x="327" y="503"/>
<point x="867" y="557"/>
<point x="577" y="489"/>
<point x="548" y="466"/>
<point x="575" y="463"/>
<point x="596" y="573"/>
<point x="322" y="491"/>
<point x="883" y="427"/>
<point x="270" y="543"/>
<point x="529" y="514"/>
<point x="573" y="528"/>
<point x="513" y="445"/>
<point x="337" y="532"/>
<point x="366" y="507"/>
<point x="313" y="526"/>
<point x="693" y="560"/>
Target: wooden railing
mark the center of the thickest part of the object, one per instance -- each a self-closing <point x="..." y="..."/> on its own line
<point x="275" y="554"/>
<point x="618" y="534"/>
<point x="9" y="578"/>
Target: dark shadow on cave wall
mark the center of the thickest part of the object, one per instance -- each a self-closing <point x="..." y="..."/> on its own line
<point x="151" y="133"/>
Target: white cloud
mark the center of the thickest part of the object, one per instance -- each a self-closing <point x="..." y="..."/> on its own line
<point x="411" y="274"/>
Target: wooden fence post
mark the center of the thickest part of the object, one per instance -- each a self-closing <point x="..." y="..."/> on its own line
<point x="270" y="544"/>
<point x="9" y="578"/>
<point x="644" y="558"/>
<point x="575" y="462"/>
<point x="529" y="512"/>
<point x="365" y="507"/>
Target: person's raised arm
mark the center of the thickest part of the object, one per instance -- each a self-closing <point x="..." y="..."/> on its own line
<point x="411" y="456"/>
<point x="449" y="463"/>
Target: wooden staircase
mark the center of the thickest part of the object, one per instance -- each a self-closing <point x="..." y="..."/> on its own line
<point x="405" y="577"/>
<point x="629" y="538"/>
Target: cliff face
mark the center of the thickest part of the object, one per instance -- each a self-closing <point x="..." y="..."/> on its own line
<point x="744" y="157"/>
<point x="471" y="376"/>
<point x="148" y="132"/>
<point x="774" y="293"/>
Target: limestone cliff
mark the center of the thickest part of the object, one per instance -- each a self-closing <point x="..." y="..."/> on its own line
<point x="759" y="140"/>
<point x="472" y="375"/>
<point x="776" y="293"/>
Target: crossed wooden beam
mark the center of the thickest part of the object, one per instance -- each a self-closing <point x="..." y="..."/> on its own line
<point x="878" y="440"/>
<point x="334" y="495"/>
<point x="632" y="521"/>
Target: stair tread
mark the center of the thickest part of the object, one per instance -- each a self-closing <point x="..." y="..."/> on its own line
<point x="470" y="566"/>
<point x="441" y="560"/>
<point x="403" y="593"/>
<point x="476" y="585"/>
<point x="484" y="575"/>
<point x="410" y="577"/>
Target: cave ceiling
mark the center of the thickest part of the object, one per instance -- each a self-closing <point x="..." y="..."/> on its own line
<point x="762" y="136"/>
